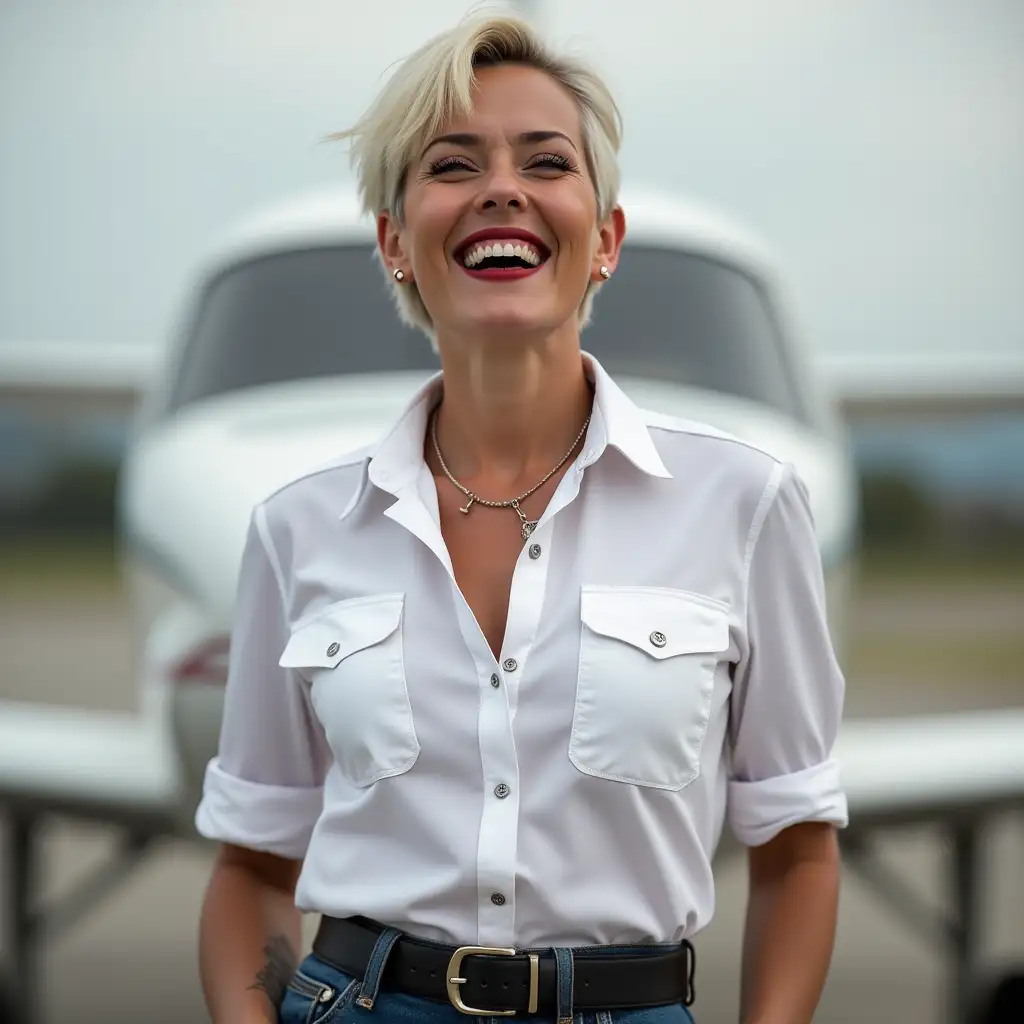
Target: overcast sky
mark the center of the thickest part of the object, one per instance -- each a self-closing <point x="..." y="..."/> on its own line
<point x="878" y="145"/>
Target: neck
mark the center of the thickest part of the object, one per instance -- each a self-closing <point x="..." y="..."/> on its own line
<point x="510" y="412"/>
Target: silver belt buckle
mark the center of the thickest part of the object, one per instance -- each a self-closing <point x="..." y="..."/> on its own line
<point x="454" y="980"/>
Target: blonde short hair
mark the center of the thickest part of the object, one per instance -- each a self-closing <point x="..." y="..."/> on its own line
<point x="433" y="85"/>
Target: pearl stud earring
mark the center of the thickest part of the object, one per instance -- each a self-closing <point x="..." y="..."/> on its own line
<point x="605" y="272"/>
<point x="398" y="276"/>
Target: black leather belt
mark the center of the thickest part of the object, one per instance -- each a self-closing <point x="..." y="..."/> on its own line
<point x="491" y="980"/>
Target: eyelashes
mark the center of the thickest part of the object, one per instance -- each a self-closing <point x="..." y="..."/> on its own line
<point x="553" y="161"/>
<point x="557" y="160"/>
<point x="449" y="163"/>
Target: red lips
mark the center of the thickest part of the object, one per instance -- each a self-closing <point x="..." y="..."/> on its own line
<point x="499" y="233"/>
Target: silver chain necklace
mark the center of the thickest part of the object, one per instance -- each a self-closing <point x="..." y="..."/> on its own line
<point x="514" y="503"/>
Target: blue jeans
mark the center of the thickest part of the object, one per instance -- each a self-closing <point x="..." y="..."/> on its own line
<point x="321" y="994"/>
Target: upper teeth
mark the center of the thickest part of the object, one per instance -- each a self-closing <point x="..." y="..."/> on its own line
<point x="523" y="250"/>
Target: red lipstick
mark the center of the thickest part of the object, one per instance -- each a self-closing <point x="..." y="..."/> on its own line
<point x="501" y="234"/>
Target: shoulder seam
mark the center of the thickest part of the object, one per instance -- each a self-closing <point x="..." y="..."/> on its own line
<point x="768" y="496"/>
<point x="679" y="426"/>
<point x="260" y="519"/>
<point x="354" y="459"/>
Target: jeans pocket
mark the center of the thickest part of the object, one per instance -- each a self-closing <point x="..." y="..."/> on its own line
<point x="310" y="999"/>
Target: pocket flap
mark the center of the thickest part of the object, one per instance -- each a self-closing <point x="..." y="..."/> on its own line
<point x="659" y="622"/>
<point x="342" y="629"/>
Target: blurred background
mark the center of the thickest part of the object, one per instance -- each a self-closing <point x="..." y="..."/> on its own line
<point x="878" y="147"/>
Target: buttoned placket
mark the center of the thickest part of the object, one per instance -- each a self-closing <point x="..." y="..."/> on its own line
<point x="417" y="510"/>
<point x="496" y="851"/>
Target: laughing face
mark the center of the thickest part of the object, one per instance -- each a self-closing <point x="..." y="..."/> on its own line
<point x="500" y="227"/>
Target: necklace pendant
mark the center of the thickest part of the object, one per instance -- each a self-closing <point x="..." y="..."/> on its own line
<point x="528" y="529"/>
<point x="469" y="505"/>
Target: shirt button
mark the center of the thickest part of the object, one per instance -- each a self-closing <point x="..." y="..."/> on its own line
<point x="497" y="899"/>
<point x="510" y="664"/>
<point x="495" y="680"/>
<point x="658" y="639"/>
<point x="333" y="650"/>
<point x="535" y="550"/>
<point x="501" y="791"/>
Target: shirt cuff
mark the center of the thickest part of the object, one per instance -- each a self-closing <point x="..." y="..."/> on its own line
<point x="275" y="819"/>
<point x="759" y="811"/>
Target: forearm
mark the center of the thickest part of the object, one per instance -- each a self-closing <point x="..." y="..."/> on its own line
<point x="790" y="926"/>
<point x="249" y="937"/>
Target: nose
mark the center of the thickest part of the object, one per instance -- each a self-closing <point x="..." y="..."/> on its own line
<point x="502" y="189"/>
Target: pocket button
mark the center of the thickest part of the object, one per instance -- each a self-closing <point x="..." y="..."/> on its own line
<point x="326" y="996"/>
<point x="658" y="638"/>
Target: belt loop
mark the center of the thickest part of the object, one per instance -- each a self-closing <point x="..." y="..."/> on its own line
<point x="563" y="984"/>
<point x="375" y="967"/>
<point x="691" y="961"/>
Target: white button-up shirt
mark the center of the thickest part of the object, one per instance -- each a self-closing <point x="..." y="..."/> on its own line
<point x="666" y="665"/>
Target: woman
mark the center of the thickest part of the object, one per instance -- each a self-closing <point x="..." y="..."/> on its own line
<point x="496" y="682"/>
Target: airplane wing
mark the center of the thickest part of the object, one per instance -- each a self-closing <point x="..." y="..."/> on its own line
<point x="894" y="770"/>
<point x="931" y="767"/>
<point x="108" y="766"/>
<point x="926" y="768"/>
<point x="898" y="384"/>
<point x="73" y="376"/>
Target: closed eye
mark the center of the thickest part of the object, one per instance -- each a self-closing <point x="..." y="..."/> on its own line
<point x="450" y="163"/>
<point x="553" y="160"/>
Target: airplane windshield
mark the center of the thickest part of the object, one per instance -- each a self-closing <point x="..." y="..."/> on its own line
<point x="668" y="316"/>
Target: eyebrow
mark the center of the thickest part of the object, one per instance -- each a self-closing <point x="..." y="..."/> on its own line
<point x="470" y="141"/>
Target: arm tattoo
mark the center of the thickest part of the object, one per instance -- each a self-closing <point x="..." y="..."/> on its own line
<point x="273" y="977"/>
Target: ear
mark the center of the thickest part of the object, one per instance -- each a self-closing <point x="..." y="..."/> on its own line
<point x="610" y="233"/>
<point x="389" y="241"/>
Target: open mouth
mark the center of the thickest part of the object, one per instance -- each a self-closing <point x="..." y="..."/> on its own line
<point x="501" y="256"/>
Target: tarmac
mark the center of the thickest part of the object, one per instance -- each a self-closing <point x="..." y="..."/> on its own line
<point x="134" y="957"/>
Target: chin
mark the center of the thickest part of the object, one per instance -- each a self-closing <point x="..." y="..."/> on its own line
<point x="511" y="318"/>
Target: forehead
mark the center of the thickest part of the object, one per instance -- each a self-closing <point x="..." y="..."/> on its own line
<point x="516" y="98"/>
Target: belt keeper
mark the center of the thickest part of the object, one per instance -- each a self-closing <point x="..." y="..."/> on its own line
<point x="691" y="960"/>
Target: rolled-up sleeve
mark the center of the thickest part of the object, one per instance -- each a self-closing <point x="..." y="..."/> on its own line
<point x="264" y="789"/>
<point x="788" y="688"/>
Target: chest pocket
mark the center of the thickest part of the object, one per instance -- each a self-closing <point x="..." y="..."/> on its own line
<point x="645" y="682"/>
<point x="351" y="655"/>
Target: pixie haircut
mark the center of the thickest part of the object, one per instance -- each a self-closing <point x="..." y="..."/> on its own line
<point x="435" y="84"/>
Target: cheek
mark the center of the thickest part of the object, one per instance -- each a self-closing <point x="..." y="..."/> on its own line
<point x="427" y="246"/>
<point x="425" y="235"/>
<point x="577" y="227"/>
<point x="578" y="248"/>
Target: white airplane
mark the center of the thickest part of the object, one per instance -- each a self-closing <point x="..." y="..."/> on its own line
<point x="290" y="353"/>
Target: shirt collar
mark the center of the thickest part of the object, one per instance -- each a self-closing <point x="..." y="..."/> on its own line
<point x="618" y="422"/>
<point x="396" y="460"/>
